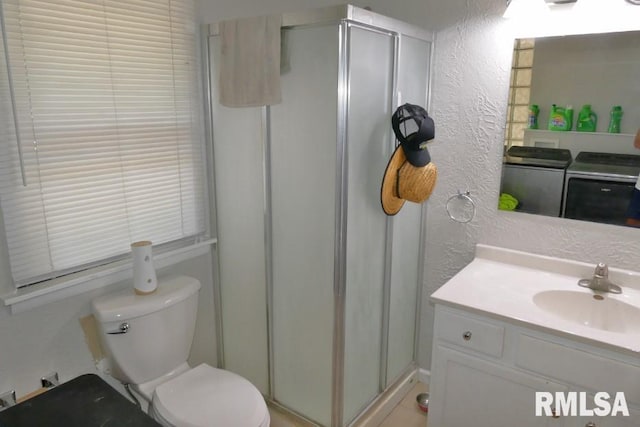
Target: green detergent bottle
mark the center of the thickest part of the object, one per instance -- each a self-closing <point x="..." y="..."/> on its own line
<point x="560" y="118"/>
<point x="616" y="117"/>
<point x="587" y="120"/>
<point x="532" y="119"/>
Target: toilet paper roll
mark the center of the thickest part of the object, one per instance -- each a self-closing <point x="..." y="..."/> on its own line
<point x="144" y="273"/>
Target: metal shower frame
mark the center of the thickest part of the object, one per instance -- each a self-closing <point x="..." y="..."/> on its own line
<point x="346" y="17"/>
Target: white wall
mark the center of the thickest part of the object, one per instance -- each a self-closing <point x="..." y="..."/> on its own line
<point x="49" y="338"/>
<point x="469" y="99"/>
<point x="412" y="11"/>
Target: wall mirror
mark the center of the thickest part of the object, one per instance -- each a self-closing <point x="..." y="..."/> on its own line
<point x="587" y="173"/>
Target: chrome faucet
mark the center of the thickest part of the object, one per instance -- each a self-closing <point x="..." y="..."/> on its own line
<point x="600" y="281"/>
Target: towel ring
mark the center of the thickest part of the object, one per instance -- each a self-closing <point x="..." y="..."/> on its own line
<point x="461" y="207"/>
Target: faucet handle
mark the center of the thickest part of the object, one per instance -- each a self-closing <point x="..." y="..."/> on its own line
<point x="602" y="270"/>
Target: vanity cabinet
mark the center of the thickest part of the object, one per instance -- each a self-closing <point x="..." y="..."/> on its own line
<point x="485" y="373"/>
<point x="469" y="391"/>
<point x="633" y="420"/>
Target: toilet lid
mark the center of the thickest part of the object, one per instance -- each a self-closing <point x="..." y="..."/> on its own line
<point x="206" y="396"/>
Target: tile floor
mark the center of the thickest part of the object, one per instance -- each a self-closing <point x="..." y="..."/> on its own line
<point x="406" y="414"/>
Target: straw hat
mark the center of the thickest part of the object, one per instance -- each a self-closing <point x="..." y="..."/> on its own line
<point x="410" y="174"/>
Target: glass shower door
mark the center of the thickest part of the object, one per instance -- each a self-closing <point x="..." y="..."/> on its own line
<point x="240" y="232"/>
<point x="319" y="287"/>
<point x="413" y="69"/>
<point x="370" y="83"/>
<point x="303" y="188"/>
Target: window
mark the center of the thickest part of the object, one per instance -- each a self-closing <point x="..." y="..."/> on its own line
<point x="519" y="92"/>
<point x="108" y="131"/>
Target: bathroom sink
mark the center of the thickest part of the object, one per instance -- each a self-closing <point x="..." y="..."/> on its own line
<point x="543" y="292"/>
<point x="593" y="310"/>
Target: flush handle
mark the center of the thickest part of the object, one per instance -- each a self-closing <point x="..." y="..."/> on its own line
<point x="123" y="329"/>
<point x="466" y="336"/>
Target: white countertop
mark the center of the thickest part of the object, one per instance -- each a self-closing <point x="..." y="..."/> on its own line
<point x="502" y="283"/>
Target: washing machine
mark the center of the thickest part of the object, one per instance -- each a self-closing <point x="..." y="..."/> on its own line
<point x="535" y="176"/>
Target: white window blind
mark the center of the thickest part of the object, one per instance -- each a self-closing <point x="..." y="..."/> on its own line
<point x="109" y="126"/>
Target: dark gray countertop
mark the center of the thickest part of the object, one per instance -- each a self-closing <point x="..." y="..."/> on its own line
<point x="85" y="401"/>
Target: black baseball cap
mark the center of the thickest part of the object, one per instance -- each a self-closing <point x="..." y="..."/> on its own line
<point x="413" y="128"/>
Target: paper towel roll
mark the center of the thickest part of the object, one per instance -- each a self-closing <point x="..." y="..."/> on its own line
<point x="144" y="274"/>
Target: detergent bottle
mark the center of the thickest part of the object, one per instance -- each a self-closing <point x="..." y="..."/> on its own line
<point x="560" y="118"/>
<point x="616" y="116"/>
<point x="532" y="120"/>
<point x="587" y="120"/>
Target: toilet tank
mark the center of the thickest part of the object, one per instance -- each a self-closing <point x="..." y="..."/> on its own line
<point x="159" y="331"/>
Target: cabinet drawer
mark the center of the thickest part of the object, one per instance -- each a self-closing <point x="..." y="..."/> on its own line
<point x="470" y="333"/>
<point x="577" y="367"/>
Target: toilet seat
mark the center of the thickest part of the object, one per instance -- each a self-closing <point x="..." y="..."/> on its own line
<point x="205" y="396"/>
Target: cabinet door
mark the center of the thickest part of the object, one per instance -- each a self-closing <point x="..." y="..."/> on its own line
<point x="467" y="391"/>
<point x="633" y="420"/>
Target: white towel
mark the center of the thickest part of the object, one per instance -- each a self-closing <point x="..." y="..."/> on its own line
<point x="250" y="61"/>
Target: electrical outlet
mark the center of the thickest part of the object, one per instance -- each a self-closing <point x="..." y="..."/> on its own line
<point x="7" y="399"/>
<point x="49" y="381"/>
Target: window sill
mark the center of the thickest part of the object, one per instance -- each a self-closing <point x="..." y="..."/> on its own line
<point x="74" y="284"/>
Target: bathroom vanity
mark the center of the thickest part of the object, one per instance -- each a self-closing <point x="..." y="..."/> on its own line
<point x="511" y="324"/>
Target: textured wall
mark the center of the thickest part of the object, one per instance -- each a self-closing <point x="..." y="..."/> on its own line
<point x="468" y="102"/>
<point x="469" y="99"/>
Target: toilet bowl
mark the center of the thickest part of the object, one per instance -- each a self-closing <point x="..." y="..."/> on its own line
<point x="147" y="339"/>
<point x="206" y="396"/>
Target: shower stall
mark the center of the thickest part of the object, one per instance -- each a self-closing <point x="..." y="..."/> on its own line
<point x="319" y="289"/>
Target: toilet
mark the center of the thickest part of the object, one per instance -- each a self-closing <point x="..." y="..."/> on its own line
<point x="147" y="339"/>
